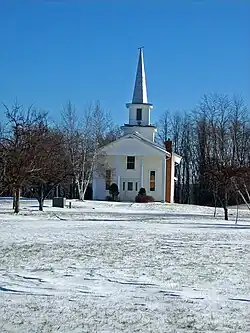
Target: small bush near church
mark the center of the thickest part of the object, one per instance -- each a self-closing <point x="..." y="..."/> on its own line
<point x="142" y="192"/>
<point x="143" y="197"/>
<point x="114" y="191"/>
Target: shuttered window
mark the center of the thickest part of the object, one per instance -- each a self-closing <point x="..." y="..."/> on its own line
<point x="152" y="180"/>
<point x="131" y="162"/>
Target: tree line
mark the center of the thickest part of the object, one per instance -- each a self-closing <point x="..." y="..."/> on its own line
<point x="213" y="140"/>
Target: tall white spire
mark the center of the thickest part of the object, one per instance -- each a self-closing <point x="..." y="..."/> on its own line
<point x="140" y="89"/>
<point x="139" y="109"/>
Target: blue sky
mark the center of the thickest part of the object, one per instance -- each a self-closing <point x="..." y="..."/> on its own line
<point x="55" y="50"/>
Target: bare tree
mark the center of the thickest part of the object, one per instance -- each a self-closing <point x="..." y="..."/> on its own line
<point x="21" y="144"/>
<point x="83" y="140"/>
<point x="179" y="128"/>
<point x="55" y="166"/>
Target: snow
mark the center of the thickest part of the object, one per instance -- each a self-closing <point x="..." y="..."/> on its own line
<point x="122" y="267"/>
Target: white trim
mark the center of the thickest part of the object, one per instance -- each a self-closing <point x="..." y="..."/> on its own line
<point x="163" y="179"/>
<point x="141" y="172"/>
<point x="172" y="181"/>
<point x="119" y="183"/>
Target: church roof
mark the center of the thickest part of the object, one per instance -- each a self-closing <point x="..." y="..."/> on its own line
<point x="151" y="143"/>
<point x="140" y="88"/>
<point x="141" y="138"/>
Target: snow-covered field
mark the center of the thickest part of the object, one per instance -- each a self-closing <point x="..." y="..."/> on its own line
<point x="120" y="267"/>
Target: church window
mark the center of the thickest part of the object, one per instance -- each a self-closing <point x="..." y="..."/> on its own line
<point x="123" y="186"/>
<point x="130" y="162"/>
<point x="108" y="179"/>
<point x="152" y="180"/>
<point x="130" y="186"/>
<point x="138" y="114"/>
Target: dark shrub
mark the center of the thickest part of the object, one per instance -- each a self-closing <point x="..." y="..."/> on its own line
<point x="114" y="191"/>
<point x="150" y="198"/>
<point x="144" y="199"/>
<point x="142" y="191"/>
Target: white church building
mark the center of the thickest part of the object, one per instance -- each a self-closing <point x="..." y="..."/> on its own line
<point x="135" y="160"/>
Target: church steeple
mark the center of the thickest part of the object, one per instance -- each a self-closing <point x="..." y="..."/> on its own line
<point x="140" y="89"/>
<point x="139" y="109"/>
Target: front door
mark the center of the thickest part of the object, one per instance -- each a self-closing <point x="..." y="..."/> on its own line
<point x="129" y="189"/>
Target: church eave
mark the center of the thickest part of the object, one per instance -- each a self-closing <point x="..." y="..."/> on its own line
<point x="148" y="104"/>
<point x="136" y="125"/>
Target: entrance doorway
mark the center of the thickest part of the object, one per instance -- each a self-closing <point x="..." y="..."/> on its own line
<point x="129" y="189"/>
